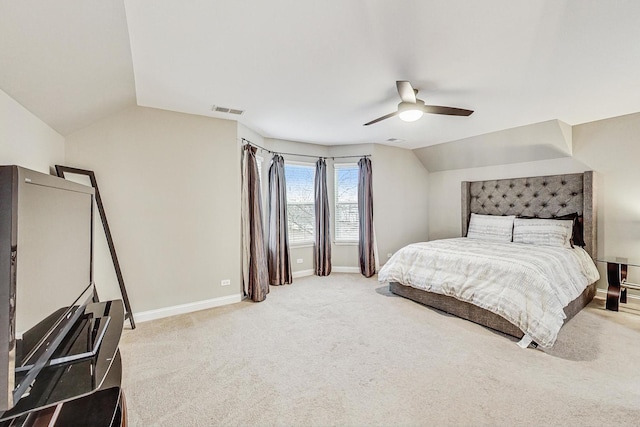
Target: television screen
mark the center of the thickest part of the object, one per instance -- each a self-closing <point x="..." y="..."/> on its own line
<point x="54" y="251"/>
<point x="46" y="238"/>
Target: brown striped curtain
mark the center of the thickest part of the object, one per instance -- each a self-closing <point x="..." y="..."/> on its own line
<point x="366" y="241"/>
<point x="255" y="276"/>
<point x="322" y="249"/>
<point x="278" y="257"/>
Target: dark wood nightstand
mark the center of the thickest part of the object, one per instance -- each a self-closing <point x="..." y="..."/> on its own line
<point x="617" y="279"/>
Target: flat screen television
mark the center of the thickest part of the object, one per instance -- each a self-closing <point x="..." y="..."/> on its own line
<point x="46" y="241"/>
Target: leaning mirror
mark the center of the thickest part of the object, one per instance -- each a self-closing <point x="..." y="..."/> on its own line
<point x="88" y="178"/>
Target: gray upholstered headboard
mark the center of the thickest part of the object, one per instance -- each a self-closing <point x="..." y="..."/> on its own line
<point x="539" y="196"/>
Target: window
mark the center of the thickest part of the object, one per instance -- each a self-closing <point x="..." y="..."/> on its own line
<point x="300" y="202"/>
<point x="346" y="185"/>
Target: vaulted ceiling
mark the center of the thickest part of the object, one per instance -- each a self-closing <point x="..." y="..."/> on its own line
<point x="315" y="71"/>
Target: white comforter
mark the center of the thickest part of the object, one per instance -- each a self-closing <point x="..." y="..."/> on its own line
<point x="526" y="284"/>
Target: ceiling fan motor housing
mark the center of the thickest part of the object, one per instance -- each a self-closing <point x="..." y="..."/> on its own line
<point x="405" y="106"/>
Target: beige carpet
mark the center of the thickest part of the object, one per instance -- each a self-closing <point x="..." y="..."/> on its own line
<point x="343" y="351"/>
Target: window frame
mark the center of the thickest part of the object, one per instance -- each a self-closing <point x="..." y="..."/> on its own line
<point x="302" y="243"/>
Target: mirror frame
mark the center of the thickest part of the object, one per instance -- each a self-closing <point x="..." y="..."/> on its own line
<point x="60" y="171"/>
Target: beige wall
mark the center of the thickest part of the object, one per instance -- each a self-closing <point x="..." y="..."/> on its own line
<point x="551" y="139"/>
<point x="400" y="190"/>
<point x="25" y="140"/>
<point x="170" y="183"/>
<point x="610" y="147"/>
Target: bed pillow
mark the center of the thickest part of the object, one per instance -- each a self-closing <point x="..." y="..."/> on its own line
<point x="577" y="237"/>
<point x="543" y="232"/>
<point x="491" y="227"/>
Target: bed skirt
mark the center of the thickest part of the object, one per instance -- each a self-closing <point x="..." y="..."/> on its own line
<point x="479" y="315"/>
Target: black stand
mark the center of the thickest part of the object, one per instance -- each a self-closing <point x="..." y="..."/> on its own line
<point x="76" y="391"/>
<point x="616" y="274"/>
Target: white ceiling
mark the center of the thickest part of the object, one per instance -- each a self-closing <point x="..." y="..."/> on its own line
<point x="315" y="71"/>
<point x="67" y="61"/>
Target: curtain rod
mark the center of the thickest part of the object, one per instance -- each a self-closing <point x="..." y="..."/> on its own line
<point x="303" y="155"/>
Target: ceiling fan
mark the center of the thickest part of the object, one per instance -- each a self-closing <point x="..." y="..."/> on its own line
<point x="411" y="108"/>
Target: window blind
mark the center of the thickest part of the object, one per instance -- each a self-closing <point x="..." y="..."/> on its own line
<point x="300" y="202"/>
<point x="346" y="195"/>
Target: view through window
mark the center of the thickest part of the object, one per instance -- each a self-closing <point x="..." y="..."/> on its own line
<point x="300" y="202"/>
<point x="346" y="193"/>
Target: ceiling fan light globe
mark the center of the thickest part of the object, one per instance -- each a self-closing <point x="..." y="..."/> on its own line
<point x="410" y="115"/>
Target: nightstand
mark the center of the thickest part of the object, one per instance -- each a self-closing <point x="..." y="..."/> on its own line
<point x="617" y="279"/>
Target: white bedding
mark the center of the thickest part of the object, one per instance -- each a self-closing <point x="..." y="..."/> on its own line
<point x="526" y="284"/>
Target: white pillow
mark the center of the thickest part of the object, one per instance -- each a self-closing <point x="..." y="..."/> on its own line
<point x="544" y="232"/>
<point x="491" y="227"/>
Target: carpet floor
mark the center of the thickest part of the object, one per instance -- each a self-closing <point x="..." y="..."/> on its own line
<point x="342" y="350"/>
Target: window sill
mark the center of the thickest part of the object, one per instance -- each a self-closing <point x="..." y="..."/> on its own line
<point x="301" y="245"/>
<point x="345" y="243"/>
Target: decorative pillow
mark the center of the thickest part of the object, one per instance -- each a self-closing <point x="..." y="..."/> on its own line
<point x="577" y="238"/>
<point x="491" y="227"/>
<point x="544" y="232"/>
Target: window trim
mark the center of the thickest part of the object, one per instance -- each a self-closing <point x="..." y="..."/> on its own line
<point x="301" y="243"/>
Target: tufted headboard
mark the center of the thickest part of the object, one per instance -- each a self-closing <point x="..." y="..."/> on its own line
<point x="539" y="196"/>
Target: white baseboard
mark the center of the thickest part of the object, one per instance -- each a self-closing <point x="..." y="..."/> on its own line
<point x="337" y="269"/>
<point x="345" y="269"/>
<point x="145" y="316"/>
<point x="303" y="273"/>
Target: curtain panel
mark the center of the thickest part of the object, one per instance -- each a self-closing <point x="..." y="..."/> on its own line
<point x="255" y="276"/>
<point x="278" y="257"/>
<point x="366" y="241"/>
<point x="322" y="249"/>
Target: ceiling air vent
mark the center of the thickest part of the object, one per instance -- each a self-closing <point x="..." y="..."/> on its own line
<point x="395" y="140"/>
<point x="219" y="109"/>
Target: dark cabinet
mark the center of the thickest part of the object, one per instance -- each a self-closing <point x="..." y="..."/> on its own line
<point x="81" y="384"/>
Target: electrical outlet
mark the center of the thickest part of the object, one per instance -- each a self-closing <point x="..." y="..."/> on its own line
<point x="225" y="282"/>
<point x="299" y="260"/>
<point x="389" y="255"/>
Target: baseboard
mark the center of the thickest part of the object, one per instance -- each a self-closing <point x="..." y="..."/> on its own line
<point x="345" y="269"/>
<point x="337" y="269"/>
<point x="303" y="273"/>
<point x="629" y="295"/>
<point x="145" y="316"/>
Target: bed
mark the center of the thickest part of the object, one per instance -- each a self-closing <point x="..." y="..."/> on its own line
<point x="534" y="197"/>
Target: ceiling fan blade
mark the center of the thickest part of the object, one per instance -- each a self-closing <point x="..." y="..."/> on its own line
<point x="379" y="119"/>
<point x="406" y="91"/>
<point x="449" y="111"/>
